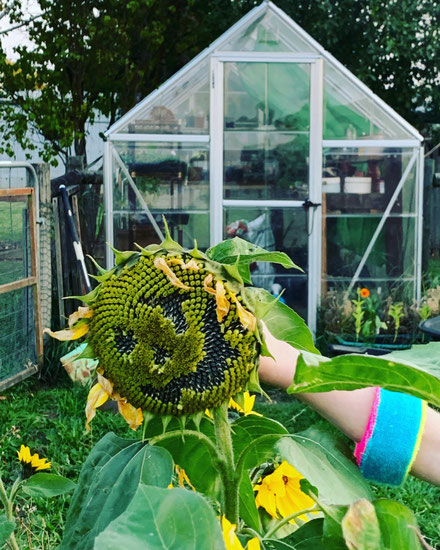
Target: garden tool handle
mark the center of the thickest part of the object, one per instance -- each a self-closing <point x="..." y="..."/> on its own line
<point x="74" y="234"/>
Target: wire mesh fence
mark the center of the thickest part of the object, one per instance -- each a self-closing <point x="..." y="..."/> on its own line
<point x="20" y="317"/>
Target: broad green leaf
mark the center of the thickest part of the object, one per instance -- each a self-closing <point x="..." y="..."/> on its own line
<point x="398" y="526"/>
<point x="168" y="519"/>
<point x="191" y="453"/>
<point x="360" y="527"/>
<point x="6" y="529"/>
<point x="308" y="537"/>
<point x="415" y="371"/>
<point x="231" y="250"/>
<point x="315" y="455"/>
<point x="248" y="508"/>
<point x="108" y="481"/>
<point x="47" y="485"/>
<point x="255" y="436"/>
<point x="280" y="320"/>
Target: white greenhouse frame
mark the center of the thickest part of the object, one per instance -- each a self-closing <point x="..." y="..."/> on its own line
<point x="317" y="58"/>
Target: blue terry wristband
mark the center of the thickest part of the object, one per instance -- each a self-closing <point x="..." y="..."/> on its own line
<point x="392" y="438"/>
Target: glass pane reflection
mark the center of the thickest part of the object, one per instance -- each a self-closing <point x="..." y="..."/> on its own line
<point x="282" y="229"/>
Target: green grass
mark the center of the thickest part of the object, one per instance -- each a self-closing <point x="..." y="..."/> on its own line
<point x="50" y="420"/>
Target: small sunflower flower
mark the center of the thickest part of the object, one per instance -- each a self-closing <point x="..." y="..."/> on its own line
<point x="247" y="407"/>
<point x="31" y="463"/>
<point x="280" y="493"/>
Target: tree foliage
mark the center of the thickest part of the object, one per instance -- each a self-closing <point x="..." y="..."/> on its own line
<point x="103" y="56"/>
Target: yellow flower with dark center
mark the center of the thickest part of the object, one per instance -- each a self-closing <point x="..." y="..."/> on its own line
<point x="31" y="463"/>
<point x="280" y="493"/>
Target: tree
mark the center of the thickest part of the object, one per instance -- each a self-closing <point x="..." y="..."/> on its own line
<point x="103" y="56"/>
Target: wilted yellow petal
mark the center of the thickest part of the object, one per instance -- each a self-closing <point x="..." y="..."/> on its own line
<point x="70" y="333"/>
<point x="80" y="313"/>
<point x="222" y="301"/>
<point x="247" y="319"/>
<point x="161" y="264"/>
<point x="192" y="264"/>
<point x="97" y="397"/>
<point x="105" y="384"/>
<point x="132" y="416"/>
<point x="207" y="284"/>
<point x="183" y="477"/>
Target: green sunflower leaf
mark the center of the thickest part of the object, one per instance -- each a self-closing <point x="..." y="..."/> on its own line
<point x="280" y="320"/>
<point x="253" y="439"/>
<point x="398" y="525"/>
<point x="6" y="529"/>
<point x="109" y="479"/>
<point x="87" y="298"/>
<point x="174" y="519"/>
<point x="121" y="257"/>
<point x="228" y="251"/>
<point x="415" y="371"/>
<point x="47" y="485"/>
<point x="247" y="505"/>
<point x="316" y="455"/>
<point x="192" y="454"/>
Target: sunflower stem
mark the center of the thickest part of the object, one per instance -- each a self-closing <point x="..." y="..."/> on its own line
<point x="288" y="518"/>
<point x="226" y="464"/>
<point x="8" y="504"/>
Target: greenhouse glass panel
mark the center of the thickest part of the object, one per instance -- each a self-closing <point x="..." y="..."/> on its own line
<point x="179" y="109"/>
<point x="349" y="113"/>
<point x="391" y="262"/>
<point x="281" y="229"/>
<point x="268" y="33"/>
<point x="362" y="180"/>
<point x="266" y="130"/>
<point x="168" y="179"/>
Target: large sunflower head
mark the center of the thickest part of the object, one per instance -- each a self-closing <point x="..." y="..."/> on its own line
<point x="171" y="330"/>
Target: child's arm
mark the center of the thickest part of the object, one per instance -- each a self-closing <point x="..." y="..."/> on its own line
<point x="349" y="410"/>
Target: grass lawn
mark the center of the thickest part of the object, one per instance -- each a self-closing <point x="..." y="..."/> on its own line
<point x="51" y="421"/>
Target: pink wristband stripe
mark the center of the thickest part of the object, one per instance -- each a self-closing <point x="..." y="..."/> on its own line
<point x="360" y="447"/>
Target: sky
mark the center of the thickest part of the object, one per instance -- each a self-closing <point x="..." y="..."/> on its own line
<point x="17" y="36"/>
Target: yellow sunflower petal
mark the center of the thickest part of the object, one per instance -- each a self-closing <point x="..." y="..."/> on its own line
<point x="253" y="544"/>
<point x="70" y="333"/>
<point x="207" y="281"/>
<point x="97" y="397"/>
<point x="80" y="313"/>
<point x="247" y="319"/>
<point x="132" y="416"/>
<point x="192" y="264"/>
<point x="229" y="536"/>
<point x="105" y="384"/>
<point x="183" y="478"/>
<point x="266" y="499"/>
<point x="40" y="463"/>
<point x="24" y="454"/>
<point x="161" y="264"/>
<point x="222" y="301"/>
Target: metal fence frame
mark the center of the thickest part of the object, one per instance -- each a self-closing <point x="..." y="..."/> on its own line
<point x="32" y="281"/>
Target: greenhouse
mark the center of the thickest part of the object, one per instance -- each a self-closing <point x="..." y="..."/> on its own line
<point x="266" y="136"/>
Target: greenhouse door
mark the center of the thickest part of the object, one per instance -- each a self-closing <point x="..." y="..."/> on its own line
<point x="266" y="159"/>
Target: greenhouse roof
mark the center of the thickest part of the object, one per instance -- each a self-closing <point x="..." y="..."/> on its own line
<point x="266" y="28"/>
